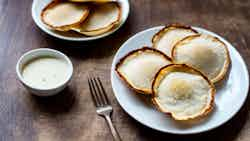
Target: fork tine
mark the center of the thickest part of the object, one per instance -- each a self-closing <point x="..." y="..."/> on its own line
<point x="93" y="93"/>
<point x="97" y="92"/>
<point x="103" y="91"/>
<point x="102" y="98"/>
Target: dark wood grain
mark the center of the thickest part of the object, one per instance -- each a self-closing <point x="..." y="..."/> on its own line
<point x="71" y="115"/>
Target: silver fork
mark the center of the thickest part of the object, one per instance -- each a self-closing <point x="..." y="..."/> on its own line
<point x="103" y="106"/>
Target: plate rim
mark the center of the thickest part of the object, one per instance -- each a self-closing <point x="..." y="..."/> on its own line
<point x="245" y="70"/>
<point x="80" y="39"/>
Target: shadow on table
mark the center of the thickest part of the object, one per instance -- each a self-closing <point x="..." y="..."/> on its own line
<point x="226" y="132"/>
<point x="55" y="105"/>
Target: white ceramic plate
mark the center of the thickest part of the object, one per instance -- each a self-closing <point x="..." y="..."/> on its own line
<point x="38" y="5"/>
<point x="228" y="100"/>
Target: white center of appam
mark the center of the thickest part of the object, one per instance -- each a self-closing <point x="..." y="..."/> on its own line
<point x="167" y="41"/>
<point x="183" y="94"/>
<point x="140" y="70"/>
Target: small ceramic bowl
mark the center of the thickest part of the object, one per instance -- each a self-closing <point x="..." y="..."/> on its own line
<point x="41" y="53"/>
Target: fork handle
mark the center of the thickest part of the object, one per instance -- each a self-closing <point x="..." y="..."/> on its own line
<point x="113" y="130"/>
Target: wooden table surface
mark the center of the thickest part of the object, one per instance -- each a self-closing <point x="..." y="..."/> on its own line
<point x="71" y="115"/>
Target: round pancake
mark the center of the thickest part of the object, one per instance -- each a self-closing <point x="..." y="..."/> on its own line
<point x="102" y="18"/>
<point x="204" y="52"/>
<point x="139" y="67"/>
<point x="183" y="92"/>
<point x="166" y="38"/>
<point x="63" y="16"/>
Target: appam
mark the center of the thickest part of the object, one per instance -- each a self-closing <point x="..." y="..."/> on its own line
<point x="204" y="52"/>
<point x="183" y="92"/>
<point x="139" y="67"/>
<point x="165" y="39"/>
<point x="102" y="18"/>
<point x="63" y="16"/>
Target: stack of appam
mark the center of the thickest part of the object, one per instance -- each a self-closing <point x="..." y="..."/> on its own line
<point x="87" y="17"/>
<point x="178" y="72"/>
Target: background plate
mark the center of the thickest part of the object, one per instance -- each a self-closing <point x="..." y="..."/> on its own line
<point x="38" y="5"/>
<point x="229" y="98"/>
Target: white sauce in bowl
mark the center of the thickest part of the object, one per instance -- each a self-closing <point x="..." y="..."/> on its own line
<point x="46" y="72"/>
